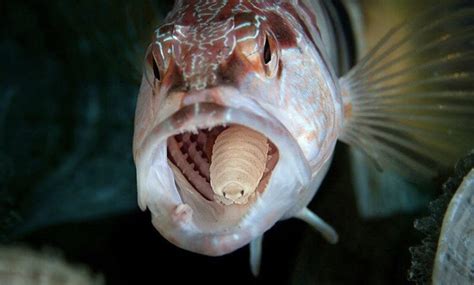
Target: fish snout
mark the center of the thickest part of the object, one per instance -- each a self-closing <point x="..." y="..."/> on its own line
<point x="210" y="95"/>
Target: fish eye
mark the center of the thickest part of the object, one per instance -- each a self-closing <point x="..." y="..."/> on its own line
<point x="156" y="70"/>
<point x="267" y="53"/>
<point x="270" y="56"/>
<point x="153" y="67"/>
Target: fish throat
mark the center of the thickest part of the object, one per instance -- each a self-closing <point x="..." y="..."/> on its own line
<point x="228" y="165"/>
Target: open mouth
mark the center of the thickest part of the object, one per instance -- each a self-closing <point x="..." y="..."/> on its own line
<point x="224" y="164"/>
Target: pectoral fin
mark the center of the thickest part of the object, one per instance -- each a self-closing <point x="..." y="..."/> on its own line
<point x="318" y="224"/>
<point x="256" y="255"/>
<point x="409" y="103"/>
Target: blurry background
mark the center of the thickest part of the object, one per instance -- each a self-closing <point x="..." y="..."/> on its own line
<point x="68" y="83"/>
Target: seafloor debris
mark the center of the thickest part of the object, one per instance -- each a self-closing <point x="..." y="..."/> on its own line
<point x="21" y="266"/>
<point x="446" y="253"/>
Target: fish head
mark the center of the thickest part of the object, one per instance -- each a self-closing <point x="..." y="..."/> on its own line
<point x="259" y="71"/>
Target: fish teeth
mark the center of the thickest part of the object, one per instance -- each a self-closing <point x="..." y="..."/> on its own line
<point x="239" y="157"/>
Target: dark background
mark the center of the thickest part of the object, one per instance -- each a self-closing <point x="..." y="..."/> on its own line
<point x="68" y="85"/>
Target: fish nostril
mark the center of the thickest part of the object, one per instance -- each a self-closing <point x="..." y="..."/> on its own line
<point x="242" y="193"/>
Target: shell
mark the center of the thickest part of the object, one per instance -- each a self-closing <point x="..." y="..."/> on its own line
<point x="454" y="262"/>
<point x="239" y="157"/>
<point x="21" y="266"/>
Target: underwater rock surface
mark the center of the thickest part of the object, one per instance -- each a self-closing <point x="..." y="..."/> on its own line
<point x="454" y="263"/>
<point x="21" y="266"/>
<point x="445" y="254"/>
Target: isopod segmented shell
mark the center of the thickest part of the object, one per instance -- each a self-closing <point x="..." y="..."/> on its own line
<point x="239" y="157"/>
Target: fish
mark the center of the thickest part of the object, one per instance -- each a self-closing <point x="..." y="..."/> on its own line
<point x="241" y="105"/>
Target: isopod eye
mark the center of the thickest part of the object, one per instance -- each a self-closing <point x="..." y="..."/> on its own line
<point x="270" y="56"/>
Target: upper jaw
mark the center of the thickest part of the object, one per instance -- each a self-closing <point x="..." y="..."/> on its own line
<point x="208" y="227"/>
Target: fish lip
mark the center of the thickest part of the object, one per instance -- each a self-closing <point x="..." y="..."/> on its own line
<point x="202" y="115"/>
<point x="184" y="232"/>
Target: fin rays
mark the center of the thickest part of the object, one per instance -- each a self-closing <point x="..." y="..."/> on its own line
<point x="454" y="39"/>
<point x="373" y="58"/>
<point x="451" y="59"/>
<point x="412" y="96"/>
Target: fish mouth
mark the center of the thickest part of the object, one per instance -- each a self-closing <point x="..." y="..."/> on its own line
<point x="174" y="178"/>
<point x="190" y="155"/>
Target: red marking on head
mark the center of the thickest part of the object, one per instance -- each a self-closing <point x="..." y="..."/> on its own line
<point x="206" y="36"/>
<point x="281" y="29"/>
